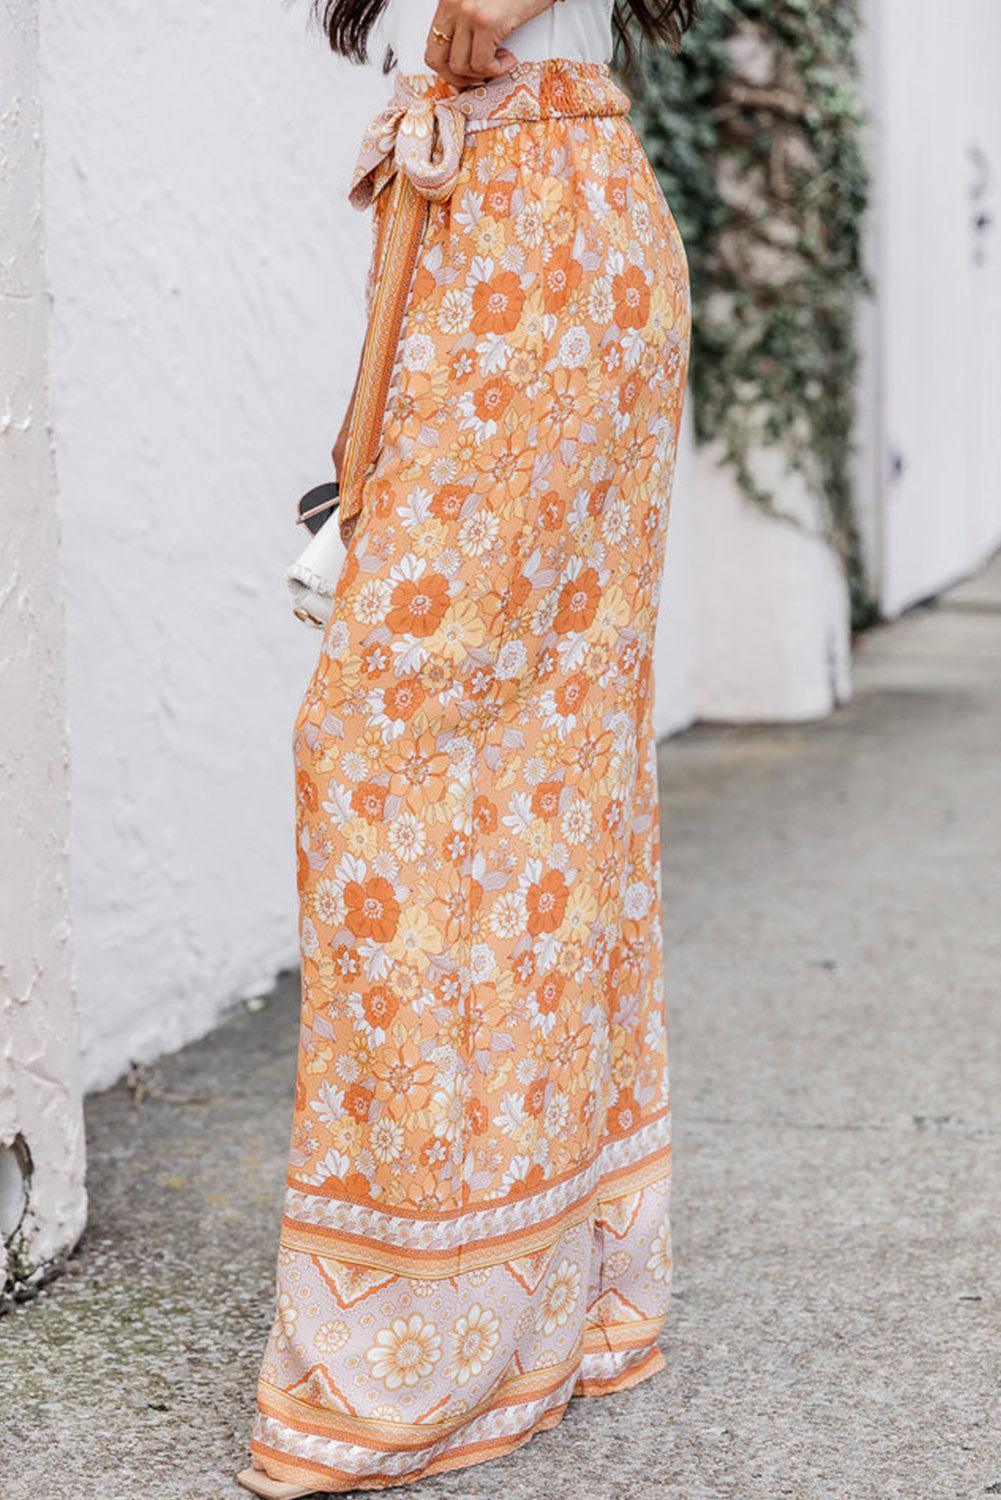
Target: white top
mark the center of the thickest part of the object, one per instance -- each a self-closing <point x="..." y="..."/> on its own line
<point x="580" y="30"/>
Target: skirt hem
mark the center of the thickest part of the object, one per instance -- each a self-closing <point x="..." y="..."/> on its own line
<point x="291" y="1470"/>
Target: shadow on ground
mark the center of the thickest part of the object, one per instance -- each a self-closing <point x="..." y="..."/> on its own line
<point x="833" y="905"/>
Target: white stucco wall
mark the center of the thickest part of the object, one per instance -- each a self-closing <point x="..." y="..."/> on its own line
<point x="207" y="283"/>
<point x="207" y="276"/>
<point x="41" y="1139"/>
<point x="754" y="621"/>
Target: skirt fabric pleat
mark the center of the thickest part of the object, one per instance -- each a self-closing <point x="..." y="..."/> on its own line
<point x="476" y="1220"/>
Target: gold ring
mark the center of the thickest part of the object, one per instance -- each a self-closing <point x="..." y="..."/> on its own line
<point x="441" y="36"/>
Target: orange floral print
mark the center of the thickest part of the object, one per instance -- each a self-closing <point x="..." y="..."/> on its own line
<point x="475" y="1225"/>
<point x="497" y="304"/>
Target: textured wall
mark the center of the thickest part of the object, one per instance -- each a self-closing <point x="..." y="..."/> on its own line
<point x="207" y="280"/>
<point x="208" y="276"/>
<point x="41" y="1145"/>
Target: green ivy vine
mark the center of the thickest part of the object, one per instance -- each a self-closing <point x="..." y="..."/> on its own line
<point x="755" y="133"/>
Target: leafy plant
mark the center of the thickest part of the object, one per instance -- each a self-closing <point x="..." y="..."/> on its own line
<point x="755" y="133"/>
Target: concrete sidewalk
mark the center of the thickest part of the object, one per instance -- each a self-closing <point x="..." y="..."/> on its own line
<point x="833" y="898"/>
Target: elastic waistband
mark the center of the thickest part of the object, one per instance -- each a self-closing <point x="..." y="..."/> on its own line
<point x="422" y="130"/>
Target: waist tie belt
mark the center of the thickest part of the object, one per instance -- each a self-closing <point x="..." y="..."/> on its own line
<point x="416" y="145"/>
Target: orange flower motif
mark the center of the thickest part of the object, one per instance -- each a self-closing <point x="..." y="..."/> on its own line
<point x="358" y="1101"/>
<point x="546" y="902"/>
<point x="552" y="510"/>
<point x="485" y="814"/>
<point x="380" y="1005"/>
<point x="402" y="699"/>
<point x="305" y="792"/>
<point x="448" y="502"/>
<point x="546" y="799"/>
<point x="617" y="194"/>
<point x="597" y="498"/>
<point x="497" y="199"/>
<point x="514" y="594"/>
<point x="418" y="605"/>
<point x="571" y="693"/>
<point x="631" y="298"/>
<point x="550" y="992"/>
<point x="579" y="599"/>
<point x="491" y="400"/>
<point x="403" y="1078"/>
<point x="418" y="771"/>
<point x="560" y="278"/>
<point x="530" y="1183"/>
<point x="591" y="753"/>
<point x="624" y="1113"/>
<point x="372" y="909"/>
<point x="566" y="405"/>
<point x="630" y="392"/>
<point x="369" y="800"/>
<point x="497" y="304"/>
<point x="535" y="1097"/>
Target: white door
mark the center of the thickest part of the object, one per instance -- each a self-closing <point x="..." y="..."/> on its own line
<point x="938" y="187"/>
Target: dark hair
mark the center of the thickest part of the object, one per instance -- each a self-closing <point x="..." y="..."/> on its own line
<point x="348" y="23"/>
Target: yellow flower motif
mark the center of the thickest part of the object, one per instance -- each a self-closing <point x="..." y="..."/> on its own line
<point x="581" y="911"/>
<point x="462" y="628"/>
<point x="416" y="936"/>
<point x="405" y="1352"/>
<point x="286" y="1318"/>
<point x="318" y="1059"/>
<point x="448" y="1109"/>
<point x="428" y="537"/>
<point x="345" y="1135"/>
<point x="361" y="837"/>
<point x="332" y="1336"/>
<point x="560" y="1297"/>
<point x="659" y="1260"/>
<point x="476" y="1337"/>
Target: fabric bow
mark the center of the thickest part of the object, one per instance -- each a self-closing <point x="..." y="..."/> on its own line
<point x="419" y="134"/>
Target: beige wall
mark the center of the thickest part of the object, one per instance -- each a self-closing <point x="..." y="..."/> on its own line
<point x="41" y="1138"/>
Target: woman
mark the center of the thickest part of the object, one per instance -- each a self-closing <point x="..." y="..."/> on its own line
<point x="476" y="1218"/>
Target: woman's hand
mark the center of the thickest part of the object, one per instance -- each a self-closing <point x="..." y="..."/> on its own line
<point x="466" y="40"/>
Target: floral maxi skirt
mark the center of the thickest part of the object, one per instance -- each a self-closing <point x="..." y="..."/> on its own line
<point x="475" y="1223"/>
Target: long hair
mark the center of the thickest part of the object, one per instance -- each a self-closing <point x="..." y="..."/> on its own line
<point x="347" y="23"/>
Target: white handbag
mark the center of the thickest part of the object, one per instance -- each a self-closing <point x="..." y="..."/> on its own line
<point x="313" y="576"/>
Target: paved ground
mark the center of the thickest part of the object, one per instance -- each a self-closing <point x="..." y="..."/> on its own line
<point x="834" y="912"/>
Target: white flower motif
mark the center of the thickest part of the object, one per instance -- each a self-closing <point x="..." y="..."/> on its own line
<point x="407" y="836"/>
<point x="637" y="900"/>
<point x="479" y="532"/>
<point x="454" y="313"/>
<point x="386" y="1139"/>
<point x="327" y="901"/>
<point x="577" y="822"/>
<point x="575" y="348"/>
<point x="417" y="352"/>
<point x="512" y="659"/>
<point x="507" y="915"/>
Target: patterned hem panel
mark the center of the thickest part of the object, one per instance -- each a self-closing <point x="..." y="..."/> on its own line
<point x="360" y="1235"/>
<point x="376" y="1377"/>
<point x="294" y="1456"/>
